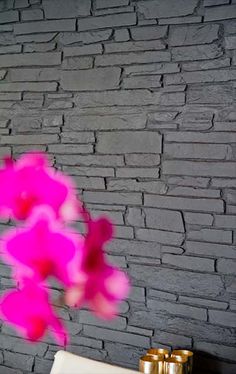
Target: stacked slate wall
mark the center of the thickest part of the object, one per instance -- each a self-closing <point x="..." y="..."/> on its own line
<point x="135" y="99"/>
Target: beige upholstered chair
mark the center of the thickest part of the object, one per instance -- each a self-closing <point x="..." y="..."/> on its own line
<point x="68" y="363"/>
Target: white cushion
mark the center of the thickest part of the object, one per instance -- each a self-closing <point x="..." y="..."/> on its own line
<point x="68" y="363"/>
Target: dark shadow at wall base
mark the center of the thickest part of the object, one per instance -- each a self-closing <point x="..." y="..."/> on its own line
<point x="209" y="364"/>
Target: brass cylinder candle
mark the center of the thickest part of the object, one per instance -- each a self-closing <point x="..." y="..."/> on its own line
<point x="187" y="354"/>
<point x="151" y="365"/>
<point x="158" y="351"/>
<point x="175" y="366"/>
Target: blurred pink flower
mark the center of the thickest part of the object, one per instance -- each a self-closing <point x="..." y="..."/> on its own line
<point x="31" y="190"/>
<point x="30" y="182"/>
<point x="31" y="314"/>
<point x="44" y="248"/>
<point x="101" y="285"/>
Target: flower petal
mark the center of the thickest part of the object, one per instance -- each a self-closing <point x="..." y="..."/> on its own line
<point x="35" y="314"/>
<point x="30" y="182"/>
<point x="44" y="248"/>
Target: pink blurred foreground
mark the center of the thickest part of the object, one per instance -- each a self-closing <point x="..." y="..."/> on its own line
<point x="101" y="286"/>
<point x="34" y="313"/>
<point x="31" y="182"/>
<point x="46" y="247"/>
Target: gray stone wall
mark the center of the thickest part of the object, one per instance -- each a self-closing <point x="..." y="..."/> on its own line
<point x="135" y="100"/>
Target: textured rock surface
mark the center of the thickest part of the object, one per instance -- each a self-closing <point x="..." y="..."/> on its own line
<point x="135" y="99"/>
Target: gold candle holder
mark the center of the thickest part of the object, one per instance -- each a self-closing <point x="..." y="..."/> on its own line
<point x="158" y="351"/>
<point x="187" y="354"/>
<point x="151" y="365"/>
<point x="175" y="366"/>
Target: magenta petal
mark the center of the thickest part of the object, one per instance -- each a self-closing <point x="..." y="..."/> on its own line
<point x="43" y="249"/>
<point x="101" y="286"/>
<point x="102" y="291"/>
<point x="36" y="159"/>
<point x="102" y="307"/>
<point x="117" y="284"/>
<point x="99" y="231"/>
<point x="112" y="286"/>
<point x="34" y="315"/>
<point x="31" y="182"/>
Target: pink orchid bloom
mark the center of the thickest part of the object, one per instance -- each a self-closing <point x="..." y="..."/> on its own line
<point x="30" y="312"/>
<point x="30" y="182"/>
<point x="101" y="285"/>
<point x="44" y="248"/>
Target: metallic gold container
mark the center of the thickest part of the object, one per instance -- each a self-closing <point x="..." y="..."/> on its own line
<point x="187" y="354"/>
<point x="151" y="365"/>
<point x="175" y="366"/>
<point x="158" y="351"/>
<point x="180" y="358"/>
